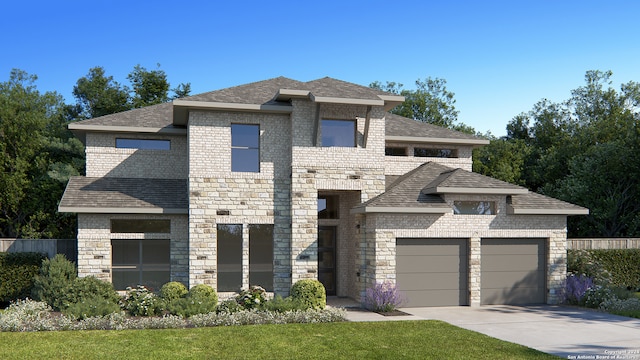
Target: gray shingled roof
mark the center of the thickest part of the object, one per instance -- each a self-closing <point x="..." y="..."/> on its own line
<point x="458" y="180"/>
<point x="154" y="116"/>
<point x="261" y="92"/>
<point x="397" y="125"/>
<point x="84" y="194"/>
<point x="407" y="192"/>
<point x="330" y="87"/>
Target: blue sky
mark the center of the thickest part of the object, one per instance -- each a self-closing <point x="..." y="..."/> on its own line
<point x="498" y="57"/>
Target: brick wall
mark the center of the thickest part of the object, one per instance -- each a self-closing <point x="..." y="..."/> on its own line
<point x="105" y="160"/>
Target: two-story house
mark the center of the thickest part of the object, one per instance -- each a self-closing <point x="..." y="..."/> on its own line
<point x="280" y="180"/>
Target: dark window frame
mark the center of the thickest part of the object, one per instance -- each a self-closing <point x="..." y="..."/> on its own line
<point x="324" y="140"/>
<point x="395" y="151"/>
<point x="240" y="150"/>
<point x="435" y="152"/>
<point x="229" y="257"/>
<point x="161" y="226"/>
<point x="464" y="207"/>
<point x="140" y="266"/>
<point x="261" y="251"/>
<point x="143" y="144"/>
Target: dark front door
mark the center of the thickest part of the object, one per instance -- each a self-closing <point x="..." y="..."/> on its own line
<point x="327" y="258"/>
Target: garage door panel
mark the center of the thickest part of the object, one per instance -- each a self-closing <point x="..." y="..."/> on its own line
<point x="430" y="281"/>
<point x="513" y="271"/>
<point x="436" y="247"/>
<point x="412" y="264"/>
<point x="432" y="272"/>
<point x="514" y="279"/>
<point x="507" y="296"/>
<point x="512" y="262"/>
<point x="512" y="246"/>
<point x="435" y="298"/>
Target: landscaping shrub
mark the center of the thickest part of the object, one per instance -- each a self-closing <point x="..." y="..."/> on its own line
<point x="595" y="296"/>
<point x="625" y="307"/>
<point x="88" y="296"/>
<point x="173" y="290"/>
<point x="229" y="306"/>
<point x="281" y="305"/>
<point x="91" y="306"/>
<point x="252" y="298"/>
<point x="383" y="297"/>
<point x="575" y="288"/>
<point x="53" y="281"/>
<point x="141" y="302"/>
<point x="616" y="267"/>
<point x="201" y="299"/>
<point x="17" y="274"/>
<point x="310" y="293"/>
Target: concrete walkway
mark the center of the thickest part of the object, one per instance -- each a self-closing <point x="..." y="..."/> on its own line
<point x="568" y="332"/>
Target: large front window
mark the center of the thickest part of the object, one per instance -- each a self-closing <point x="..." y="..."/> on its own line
<point x="140" y="262"/>
<point x="261" y="255"/>
<point x="338" y="133"/>
<point x="229" y="257"/>
<point x="245" y="148"/>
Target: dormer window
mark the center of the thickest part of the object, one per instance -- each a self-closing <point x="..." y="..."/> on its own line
<point x="338" y="133"/>
<point x="474" y="207"/>
<point x="435" y="152"/>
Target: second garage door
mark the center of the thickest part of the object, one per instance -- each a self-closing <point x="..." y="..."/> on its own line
<point x="432" y="272"/>
<point x="513" y="271"/>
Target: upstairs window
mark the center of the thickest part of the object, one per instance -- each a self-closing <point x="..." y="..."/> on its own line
<point x="435" y="152"/>
<point x="395" y="151"/>
<point x="474" y="207"/>
<point x="140" y="226"/>
<point x="338" y="133"/>
<point x="245" y="148"/>
<point x="143" y="144"/>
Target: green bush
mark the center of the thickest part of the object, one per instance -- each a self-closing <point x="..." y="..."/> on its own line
<point x="91" y="306"/>
<point x="17" y="274"/>
<point x="614" y="267"/>
<point x="53" y="281"/>
<point x="310" y="293"/>
<point x="173" y="290"/>
<point x="252" y="298"/>
<point x="201" y="299"/>
<point x="141" y="302"/>
<point x="280" y="304"/>
<point x="229" y="306"/>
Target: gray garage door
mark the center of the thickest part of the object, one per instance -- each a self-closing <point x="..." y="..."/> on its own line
<point x="513" y="271"/>
<point x="432" y="272"/>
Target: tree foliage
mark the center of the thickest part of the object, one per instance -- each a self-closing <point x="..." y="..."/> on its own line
<point x="583" y="150"/>
<point x="37" y="156"/>
<point x="430" y="102"/>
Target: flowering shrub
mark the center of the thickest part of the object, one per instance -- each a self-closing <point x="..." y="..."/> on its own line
<point x="383" y="297"/>
<point x="141" y="302"/>
<point x="575" y="288"/>
<point x="29" y="315"/>
<point x="252" y="298"/>
<point x="597" y="295"/>
<point x="627" y="307"/>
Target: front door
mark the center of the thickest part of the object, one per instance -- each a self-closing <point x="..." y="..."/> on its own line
<point x="327" y="258"/>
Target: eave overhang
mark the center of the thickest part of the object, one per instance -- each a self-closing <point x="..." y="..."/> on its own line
<point x="181" y="108"/>
<point x="472" y="191"/>
<point x="432" y="140"/>
<point x="401" y="210"/>
<point x="118" y="210"/>
<point x="538" y="211"/>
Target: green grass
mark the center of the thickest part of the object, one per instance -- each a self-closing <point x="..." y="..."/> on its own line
<point x="349" y="340"/>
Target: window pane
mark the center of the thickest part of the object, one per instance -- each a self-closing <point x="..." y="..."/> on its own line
<point x="245" y="148"/>
<point x="429" y="152"/>
<point x="395" y="151"/>
<point x="229" y="243"/>
<point x="140" y="262"/>
<point x="338" y="133"/>
<point x="261" y="256"/>
<point x="144" y="144"/>
<point x="327" y="207"/>
<point x="245" y="135"/>
<point x="247" y="160"/>
<point x="140" y="226"/>
<point x="474" y="207"/>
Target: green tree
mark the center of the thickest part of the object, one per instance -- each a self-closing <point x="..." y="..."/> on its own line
<point x="34" y="146"/>
<point x="99" y="95"/>
<point x="430" y="102"/>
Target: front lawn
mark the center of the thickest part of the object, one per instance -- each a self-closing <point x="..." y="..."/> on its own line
<point x="427" y="339"/>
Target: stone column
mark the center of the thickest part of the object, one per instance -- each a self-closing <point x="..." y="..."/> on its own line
<point x="475" y="273"/>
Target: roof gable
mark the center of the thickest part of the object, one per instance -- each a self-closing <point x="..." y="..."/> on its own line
<point x="458" y="181"/>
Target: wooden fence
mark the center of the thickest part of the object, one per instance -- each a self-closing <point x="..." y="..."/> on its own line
<point x="51" y="247"/>
<point x="603" y="243"/>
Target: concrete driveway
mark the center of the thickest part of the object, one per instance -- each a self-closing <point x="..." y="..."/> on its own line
<point x="568" y="332"/>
